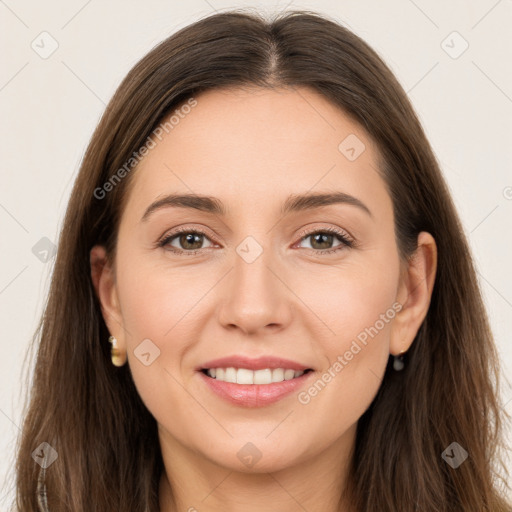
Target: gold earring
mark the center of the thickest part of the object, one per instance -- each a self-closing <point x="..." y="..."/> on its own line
<point x="118" y="356"/>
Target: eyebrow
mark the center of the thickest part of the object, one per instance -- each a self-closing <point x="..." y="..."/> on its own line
<point x="293" y="203"/>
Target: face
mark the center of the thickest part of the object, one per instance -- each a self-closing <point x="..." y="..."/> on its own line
<point x="315" y="284"/>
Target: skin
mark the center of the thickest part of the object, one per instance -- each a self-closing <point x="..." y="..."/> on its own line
<point x="251" y="149"/>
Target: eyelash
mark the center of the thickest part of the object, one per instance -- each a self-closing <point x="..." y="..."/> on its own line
<point x="340" y="235"/>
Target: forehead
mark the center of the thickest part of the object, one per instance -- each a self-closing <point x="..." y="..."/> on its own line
<point x="250" y="145"/>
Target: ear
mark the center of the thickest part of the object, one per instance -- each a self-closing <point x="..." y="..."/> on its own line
<point x="103" y="278"/>
<point x="414" y="293"/>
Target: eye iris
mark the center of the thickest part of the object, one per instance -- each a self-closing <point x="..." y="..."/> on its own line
<point x="319" y="235"/>
<point x="189" y="239"/>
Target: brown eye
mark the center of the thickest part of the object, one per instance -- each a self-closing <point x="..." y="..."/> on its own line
<point x="322" y="240"/>
<point x="190" y="241"/>
<point x="185" y="241"/>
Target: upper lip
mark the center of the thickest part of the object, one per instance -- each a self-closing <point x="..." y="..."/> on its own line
<point x="259" y="363"/>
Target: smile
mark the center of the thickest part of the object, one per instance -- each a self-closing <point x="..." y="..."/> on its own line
<point x="247" y="376"/>
<point x="234" y="384"/>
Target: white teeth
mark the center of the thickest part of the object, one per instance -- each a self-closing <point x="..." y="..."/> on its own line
<point x="289" y="374"/>
<point x="278" y="375"/>
<point x="246" y="376"/>
<point x="230" y="375"/>
<point x="262" y="376"/>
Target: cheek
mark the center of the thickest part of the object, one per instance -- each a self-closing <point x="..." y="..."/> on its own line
<point x="157" y="299"/>
<point x="357" y="306"/>
<point x="349" y="299"/>
<point x="159" y="313"/>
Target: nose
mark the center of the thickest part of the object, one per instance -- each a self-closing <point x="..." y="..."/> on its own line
<point x="258" y="299"/>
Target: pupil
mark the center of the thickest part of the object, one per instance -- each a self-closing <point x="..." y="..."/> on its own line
<point x="189" y="238"/>
<point x="327" y="236"/>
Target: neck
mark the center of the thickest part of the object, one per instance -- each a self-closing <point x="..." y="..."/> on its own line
<point x="192" y="483"/>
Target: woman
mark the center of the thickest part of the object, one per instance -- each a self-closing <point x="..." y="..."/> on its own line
<point x="195" y="354"/>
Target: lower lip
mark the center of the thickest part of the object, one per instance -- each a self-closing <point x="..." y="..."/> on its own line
<point x="255" y="395"/>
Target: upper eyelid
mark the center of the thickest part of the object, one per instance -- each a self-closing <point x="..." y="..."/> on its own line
<point x="321" y="229"/>
<point x="180" y="229"/>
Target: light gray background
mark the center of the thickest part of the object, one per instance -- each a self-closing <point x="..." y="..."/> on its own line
<point x="50" y="106"/>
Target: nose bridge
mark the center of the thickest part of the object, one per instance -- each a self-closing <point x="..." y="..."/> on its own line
<point x="256" y="296"/>
<point x="251" y="268"/>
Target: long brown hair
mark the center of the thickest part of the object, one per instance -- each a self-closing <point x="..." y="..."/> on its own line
<point x="90" y="413"/>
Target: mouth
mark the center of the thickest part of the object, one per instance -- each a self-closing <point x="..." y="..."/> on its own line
<point x="246" y="376"/>
<point x="248" y="388"/>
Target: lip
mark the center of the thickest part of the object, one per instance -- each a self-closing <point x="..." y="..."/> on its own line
<point x="259" y="363"/>
<point x="254" y="395"/>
